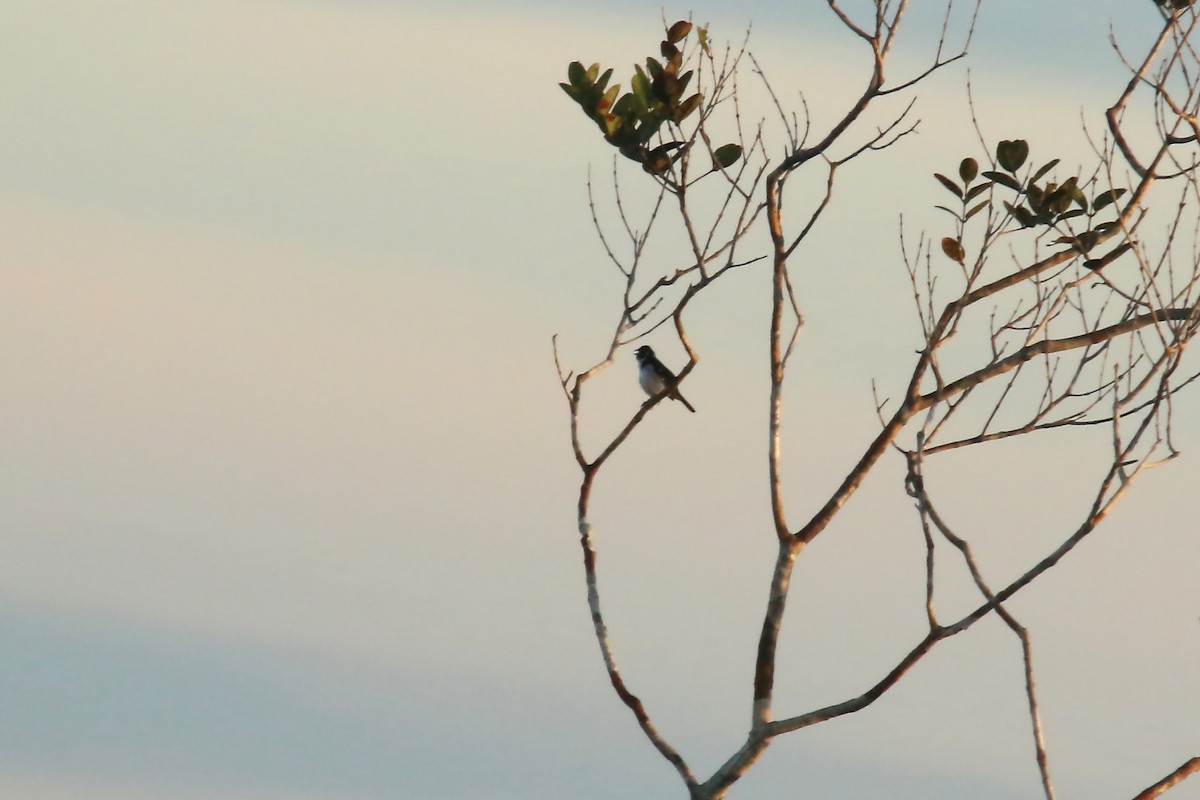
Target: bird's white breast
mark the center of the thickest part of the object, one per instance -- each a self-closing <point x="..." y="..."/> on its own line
<point x="652" y="382"/>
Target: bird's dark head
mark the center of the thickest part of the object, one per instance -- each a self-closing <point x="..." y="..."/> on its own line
<point x="644" y="353"/>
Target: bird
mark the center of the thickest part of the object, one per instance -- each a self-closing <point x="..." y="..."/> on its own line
<point x="656" y="378"/>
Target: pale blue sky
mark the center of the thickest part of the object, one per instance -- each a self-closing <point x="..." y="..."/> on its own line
<point x="286" y="498"/>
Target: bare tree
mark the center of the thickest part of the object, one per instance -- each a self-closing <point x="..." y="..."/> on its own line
<point x="1070" y="301"/>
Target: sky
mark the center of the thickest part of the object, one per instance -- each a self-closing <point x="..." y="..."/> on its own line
<point x="287" y="503"/>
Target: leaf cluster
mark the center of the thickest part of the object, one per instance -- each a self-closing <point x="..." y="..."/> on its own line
<point x="630" y="121"/>
<point x="1045" y="205"/>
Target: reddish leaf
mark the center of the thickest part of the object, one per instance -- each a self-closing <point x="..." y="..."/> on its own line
<point x="679" y="30"/>
<point x="953" y="249"/>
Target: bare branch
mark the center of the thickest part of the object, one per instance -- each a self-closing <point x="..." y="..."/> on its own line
<point x="1185" y="770"/>
<point x="1062" y="335"/>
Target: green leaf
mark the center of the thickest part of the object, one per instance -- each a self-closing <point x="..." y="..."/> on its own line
<point x="608" y="99"/>
<point x="585" y="95"/>
<point x="1012" y="154"/>
<point x="641" y="86"/>
<point x="653" y="68"/>
<point x="576" y="73"/>
<point x="1026" y="219"/>
<point x="1049" y="165"/>
<point x="1086" y="241"/>
<point x="650" y="126"/>
<point x="1107" y="198"/>
<point x="702" y="35"/>
<point x="1103" y="261"/>
<point x="1021" y="214"/>
<point x="1072" y="214"/>
<point x="1059" y="200"/>
<point x="666" y="88"/>
<point x="968" y="168"/>
<point x="977" y="190"/>
<point x="975" y="210"/>
<point x="726" y="155"/>
<point x="624" y="136"/>
<point x="612" y="123"/>
<point x="640" y="111"/>
<point x="1070" y="189"/>
<point x="593" y="72"/>
<point x="659" y="160"/>
<point x="656" y="165"/>
<point x="1003" y="180"/>
<point x="683" y="81"/>
<point x="687" y="107"/>
<point x="631" y="151"/>
<point x="603" y="82"/>
<point x="949" y="184"/>
<point x="626" y="107"/>
<point x="679" y="30"/>
<point x="1036" y="196"/>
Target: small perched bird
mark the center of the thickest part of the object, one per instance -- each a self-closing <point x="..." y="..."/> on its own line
<point x="655" y="378"/>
